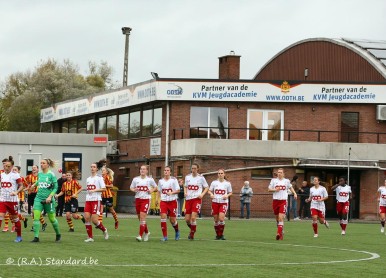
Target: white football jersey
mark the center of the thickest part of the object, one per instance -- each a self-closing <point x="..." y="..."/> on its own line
<point x="165" y="186"/>
<point x="92" y="183"/>
<point x="143" y="186"/>
<point x="9" y="183"/>
<point x="195" y="186"/>
<point x="219" y="189"/>
<point x="382" y="197"/>
<point x="343" y="193"/>
<point x="317" y="194"/>
<point x="283" y="184"/>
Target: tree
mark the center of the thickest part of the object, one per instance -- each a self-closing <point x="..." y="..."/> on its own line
<point x="24" y="94"/>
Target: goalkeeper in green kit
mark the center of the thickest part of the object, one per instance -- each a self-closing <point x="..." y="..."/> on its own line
<point x="47" y="185"/>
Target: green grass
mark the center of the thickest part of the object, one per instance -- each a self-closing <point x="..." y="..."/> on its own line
<point x="249" y="251"/>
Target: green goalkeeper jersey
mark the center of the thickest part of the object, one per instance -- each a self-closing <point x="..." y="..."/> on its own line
<point x="46" y="184"/>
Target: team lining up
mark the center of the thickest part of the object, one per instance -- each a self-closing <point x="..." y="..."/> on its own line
<point x="195" y="187"/>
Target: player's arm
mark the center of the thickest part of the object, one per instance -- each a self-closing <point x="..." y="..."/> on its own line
<point x="334" y="187"/>
<point x="271" y="187"/>
<point x="293" y="192"/>
<point x="78" y="191"/>
<point x="206" y="189"/>
<point x="20" y="188"/>
<point x="226" y="196"/>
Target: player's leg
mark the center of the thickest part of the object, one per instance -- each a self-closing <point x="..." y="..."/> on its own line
<point x="51" y="212"/>
<point x="95" y="220"/>
<point x="314" y="215"/>
<point x="87" y="221"/>
<point x="382" y="217"/>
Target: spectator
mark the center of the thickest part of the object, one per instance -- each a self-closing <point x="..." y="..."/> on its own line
<point x="246" y="194"/>
<point x="292" y="202"/>
<point x="181" y="198"/>
<point x="304" y="193"/>
<point x="60" y="207"/>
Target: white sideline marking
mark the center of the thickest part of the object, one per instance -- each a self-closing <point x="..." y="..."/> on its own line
<point x="372" y="256"/>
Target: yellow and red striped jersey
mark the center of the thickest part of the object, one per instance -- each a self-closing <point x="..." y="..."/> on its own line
<point x="108" y="193"/>
<point x="30" y="180"/>
<point x="69" y="188"/>
<point x="21" y="194"/>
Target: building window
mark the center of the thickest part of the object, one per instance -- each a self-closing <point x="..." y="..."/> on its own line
<point x="112" y="127"/>
<point x="72" y="162"/>
<point x="180" y="171"/>
<point x="102" y="125"/>
<point x="90" y="126"/>
<point x="82" y="126"/>
<point x="208" y="122"/>
<point x="123" y="126"/>
<point x="261" y="174"/>
<point x="147" y="122"/>
<point x="64" y="127"/>
<point x="135" y="127"/>
<point x="158" y="173"/>
<point x="349" y="127"/>
<point x="157" y="121"/>
<point x="265" y="125"/>
<point x="72" y="127"/>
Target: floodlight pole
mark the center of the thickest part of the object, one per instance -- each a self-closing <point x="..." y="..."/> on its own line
<point x="126" y="32"/>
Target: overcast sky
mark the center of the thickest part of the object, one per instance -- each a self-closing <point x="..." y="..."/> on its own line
<point x="175" y="38"/>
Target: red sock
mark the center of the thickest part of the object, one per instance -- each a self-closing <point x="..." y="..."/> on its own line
<point x="146" y="230"/>
<point x="164" y="228"/>
<point x="89" y="229"/>
<point x="280" y="228"/>
<point x="175" y="226"/>
<point x="142" y="227"/>
<point x="1" y="220"/>
<point x="221" y="228"/>
<point x="193" y="228"/>
<point x="18" y="227"/>
<point x="315" y="227"/>
<point x="101" y="227"/>
<point x="216" y="228"/>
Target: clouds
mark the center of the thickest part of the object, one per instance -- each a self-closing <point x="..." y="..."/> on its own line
<point x="174" y="38"/>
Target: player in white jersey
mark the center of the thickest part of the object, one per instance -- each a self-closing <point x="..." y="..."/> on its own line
<point x="382" y="206"/>
<point x="95" y="186"/>
<point x="11" y="185"/>
<point x="343" y="196"/>
<point x="143" y="186"/>
<point x="318" y="194"/>
<point x="195" y="189"/>
<point x="280" y="186"/>
<point x="220" y="190"/>
<point x="168" y="189"/>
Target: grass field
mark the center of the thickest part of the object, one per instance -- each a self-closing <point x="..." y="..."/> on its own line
<point x="249" y="251"/>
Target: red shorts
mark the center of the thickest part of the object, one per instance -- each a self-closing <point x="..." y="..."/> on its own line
<point x="142" y="205"/>
<point x="169" y="208"/>
<point x="11" y="207"/>
<point x="279" y="206"/>
<point x="342" y="207"/>
<point x="92" y="207"/>
<point x="193" y="205"/>
<point x="317" y="212"/>
<point x="218" y="208"/>
<point x="382" y="209"/>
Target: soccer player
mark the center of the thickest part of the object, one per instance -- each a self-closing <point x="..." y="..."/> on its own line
<point x="220" y="190"/>
<point x="107" y="196"/>
<point x="32" y="191"/>
<point x="343" y="195"/>
<point x="70" y="189"/>
<point x="11" y="185"/>
<point x="47" y="186"/>
<point x="279" y="186"/>
<point x="318" y="194"/>
<point x="143" y="186"/>
<point x="195" y="189"/>
<point x="95" y="186"/>
<point x="382" y="206"/>
<point x="168" y="189"/>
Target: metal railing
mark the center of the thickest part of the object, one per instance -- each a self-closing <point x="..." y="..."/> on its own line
<point x="280" y="134"/>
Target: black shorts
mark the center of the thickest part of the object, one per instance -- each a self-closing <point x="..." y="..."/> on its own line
<point x="71" y="206"/>
<point x="105" y="200"/>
